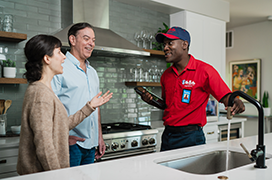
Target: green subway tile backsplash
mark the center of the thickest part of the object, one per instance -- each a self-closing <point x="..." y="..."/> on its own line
<point x="33" y="17"/>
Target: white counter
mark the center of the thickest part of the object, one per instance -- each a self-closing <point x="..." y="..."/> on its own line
<point x="7" y="142"/>
<point x="145" y="166"/>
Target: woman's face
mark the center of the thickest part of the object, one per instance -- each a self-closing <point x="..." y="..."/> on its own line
<point x="56" y="60"/>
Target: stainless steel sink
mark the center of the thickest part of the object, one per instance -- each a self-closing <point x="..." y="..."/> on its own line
<point x="208" y="163"/>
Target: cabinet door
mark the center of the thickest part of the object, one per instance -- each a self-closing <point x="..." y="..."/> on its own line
<point x="211" y="133"/>
<point x="8" y="162"/>
<point x="159" y="135"/>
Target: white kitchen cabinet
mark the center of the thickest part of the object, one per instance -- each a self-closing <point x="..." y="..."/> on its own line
<point x="159" y="135"/>
<point x="8" y="161"/>
<point x="211" y="133"/>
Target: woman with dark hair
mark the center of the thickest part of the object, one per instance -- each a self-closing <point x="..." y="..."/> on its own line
<point x="45" y="124"/>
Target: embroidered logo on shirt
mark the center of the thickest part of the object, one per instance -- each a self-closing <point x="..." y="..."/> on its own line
<point x="188" y="83"/>
<point x="186" y="96"/>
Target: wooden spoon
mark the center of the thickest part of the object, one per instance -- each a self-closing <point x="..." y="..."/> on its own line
<point x="2" y="105"/>
<point x="7" y="105"/>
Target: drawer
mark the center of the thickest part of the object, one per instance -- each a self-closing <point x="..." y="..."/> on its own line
<point x="9" y="174"/>
<point x="8" y="152"/>
<point x="211" y="132"/>
<point x="8" y="164"/>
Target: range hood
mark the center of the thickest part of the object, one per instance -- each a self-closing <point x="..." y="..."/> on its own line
<point x="96" y="12"/>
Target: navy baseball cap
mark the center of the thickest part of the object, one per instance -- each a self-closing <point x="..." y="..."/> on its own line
<point x="174" y="33"/>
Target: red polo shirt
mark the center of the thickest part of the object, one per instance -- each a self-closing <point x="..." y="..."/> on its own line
<point x="186" y="95"/>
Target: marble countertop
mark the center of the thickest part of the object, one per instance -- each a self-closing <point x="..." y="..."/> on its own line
<point x="9" y="142"/>
<point x="146" y="167"/>
<point x="6" y="142"/>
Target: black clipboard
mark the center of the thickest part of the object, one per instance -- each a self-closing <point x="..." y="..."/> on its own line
<point x="155" y="99"/>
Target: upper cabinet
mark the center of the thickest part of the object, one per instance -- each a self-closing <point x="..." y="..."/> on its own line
<point x="12" y="37"/>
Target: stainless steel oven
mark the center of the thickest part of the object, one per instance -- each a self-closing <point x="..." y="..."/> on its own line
<point x="128" y="139"/>
<point x="235" y="131"/>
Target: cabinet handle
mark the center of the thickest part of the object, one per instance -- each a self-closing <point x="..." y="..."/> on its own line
<point x="210" y="132"/>
<point x="3" y="161"/>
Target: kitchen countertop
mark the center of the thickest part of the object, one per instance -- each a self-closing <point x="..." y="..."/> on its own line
<point x="6" y="142"/>
<point x="145" y="166"/>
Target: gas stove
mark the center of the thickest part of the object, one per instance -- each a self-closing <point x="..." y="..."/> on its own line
<point x="127" y="139"/>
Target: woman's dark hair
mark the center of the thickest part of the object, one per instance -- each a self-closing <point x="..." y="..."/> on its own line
<point x="35" y="49"/>
<point x="76" y="27"/>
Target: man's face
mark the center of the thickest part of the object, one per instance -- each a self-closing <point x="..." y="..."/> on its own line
<point x="173" y="50"/>
<point x="83" y="43"/>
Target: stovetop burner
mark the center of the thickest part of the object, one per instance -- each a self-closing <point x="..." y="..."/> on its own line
<point x="122" y="127"/>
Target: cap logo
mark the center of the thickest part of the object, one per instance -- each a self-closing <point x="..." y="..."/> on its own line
<point x="171" y="30"/>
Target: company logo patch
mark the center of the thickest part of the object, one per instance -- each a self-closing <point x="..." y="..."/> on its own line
<point x="186" y="96"/>
<point x="171" y="30"/>
<point x="188" y="83"/>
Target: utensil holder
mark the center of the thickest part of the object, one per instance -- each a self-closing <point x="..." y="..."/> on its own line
<point x="4" y="117"/>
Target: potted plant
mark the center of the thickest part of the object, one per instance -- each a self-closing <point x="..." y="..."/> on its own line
<point x="265" y="104"/>
<point x="159" y="46"/>
<point x="9" y="68"/>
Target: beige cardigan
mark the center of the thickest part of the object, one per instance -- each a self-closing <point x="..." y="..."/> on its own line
<point x="45" y="129"/>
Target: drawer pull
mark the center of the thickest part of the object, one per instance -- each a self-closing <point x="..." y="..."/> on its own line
<point x="3" y="161"/>
<point x="210" y="132"/>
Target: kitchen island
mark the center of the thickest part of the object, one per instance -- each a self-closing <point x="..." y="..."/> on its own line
<point x="147" y="167"/>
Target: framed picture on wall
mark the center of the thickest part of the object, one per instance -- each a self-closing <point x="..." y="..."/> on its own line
<point x="245" y="76"/>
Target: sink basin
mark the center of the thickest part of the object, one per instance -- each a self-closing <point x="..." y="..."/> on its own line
<point x="208" y="163"/>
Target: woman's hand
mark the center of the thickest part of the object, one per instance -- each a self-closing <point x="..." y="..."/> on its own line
<point x="96" y="101"/>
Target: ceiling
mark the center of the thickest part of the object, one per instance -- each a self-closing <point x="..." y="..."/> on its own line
<point x="244" y="12"/>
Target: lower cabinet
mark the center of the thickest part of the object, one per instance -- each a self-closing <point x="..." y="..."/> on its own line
<point x="159" y="135"/>
<point x="8" y="162"/>
<point x="211" y="133"/>
<point x="214" y="132"/>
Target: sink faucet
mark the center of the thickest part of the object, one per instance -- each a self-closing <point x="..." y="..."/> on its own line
<point x="257" y="154"/>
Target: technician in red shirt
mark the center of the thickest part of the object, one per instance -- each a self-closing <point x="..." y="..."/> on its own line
<point x="186" y="87"/>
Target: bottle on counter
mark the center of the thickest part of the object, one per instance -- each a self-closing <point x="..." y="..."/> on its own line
<point x="2" y="127"/>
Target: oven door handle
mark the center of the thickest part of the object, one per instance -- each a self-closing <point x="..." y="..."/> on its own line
<point x="120" y="154"/>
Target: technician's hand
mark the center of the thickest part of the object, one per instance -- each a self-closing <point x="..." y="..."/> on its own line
<point x="238" y="107"/>
<point x="146" y="97"/>
<point x="74" y="139"/>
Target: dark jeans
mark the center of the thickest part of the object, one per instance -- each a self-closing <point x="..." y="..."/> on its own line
<point x="182" y="136"/>
<point x="81" y="156"/>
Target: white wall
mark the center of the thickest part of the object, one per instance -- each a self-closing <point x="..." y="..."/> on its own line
<point x="253" y="41"/>
<point x="207" y="37"/>
<point x="218" y="9"/>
